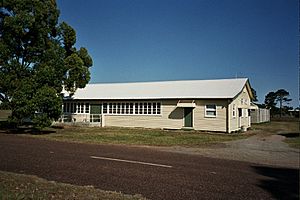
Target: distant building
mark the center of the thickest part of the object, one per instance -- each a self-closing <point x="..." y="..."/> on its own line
<point x="209" y="105"/>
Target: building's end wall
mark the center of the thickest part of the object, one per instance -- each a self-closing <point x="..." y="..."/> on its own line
<point x="239" y="114"/>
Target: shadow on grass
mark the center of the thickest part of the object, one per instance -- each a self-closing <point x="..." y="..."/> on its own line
<point x="31" y="131"/>
<point x="27" y="129"/>
<point x="282" y="183"/>
<point x="290" y="135"/>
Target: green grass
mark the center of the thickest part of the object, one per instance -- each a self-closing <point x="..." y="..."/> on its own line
<point x="138" y="136"/>
<point x="293" y="142"/>
<point x="19" y="186"/>
<point x="293" y="139"/>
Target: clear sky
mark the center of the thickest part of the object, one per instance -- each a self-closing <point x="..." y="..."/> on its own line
<point x="154" y="40"/>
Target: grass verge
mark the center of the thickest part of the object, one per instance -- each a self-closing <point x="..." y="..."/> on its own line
<point x="19" y="186"/>
<point x="293" y="142"/>
<point x="293" y="139"/>
<point x="138" y="136"/>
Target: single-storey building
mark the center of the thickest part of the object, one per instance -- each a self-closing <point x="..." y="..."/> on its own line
<point x="221" y="105"/>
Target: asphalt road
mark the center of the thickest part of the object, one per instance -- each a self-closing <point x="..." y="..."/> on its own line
<point x="146" y="171"/>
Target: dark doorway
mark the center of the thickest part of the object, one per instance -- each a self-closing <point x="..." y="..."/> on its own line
<point x="188" y="117"/>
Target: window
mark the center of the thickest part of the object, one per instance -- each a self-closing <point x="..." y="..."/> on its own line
<point x="145" y="108"/>
<point x="105" y="108"/>
<point x="71" y="107"/>
<point x="75" y="108"/>
<point x="78" y="107"/>
<point x="118" y="108"/>
<point x="128" y="108"/>
<point x="65" y="107"/>
<point x="110" y="108"/>
<point x="82" y="108"/>
<point x="141" y="108"/>
<point x="158" y="109"/>
<point x="242" y="101"/>
<point x="87" y="108"/>
<point x="149" y="108"/>
<point x="210" y="110"/>
<point x="123" y="108"/>
<point x="68" y="107"/>
<point x="154" y="108"/>
<point x="131" y="108"/>
<point x="136" y="108"/>
<point x="233" y="111"/>
<point x="114" y="108"/>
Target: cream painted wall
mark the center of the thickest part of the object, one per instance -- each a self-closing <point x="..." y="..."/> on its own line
<point x="241" y="101"/>
<point x="172" y="117"/>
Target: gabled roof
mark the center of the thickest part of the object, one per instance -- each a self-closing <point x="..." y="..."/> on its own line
<point x="186" y="89"/>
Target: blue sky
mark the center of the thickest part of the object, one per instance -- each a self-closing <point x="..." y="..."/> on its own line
<point x="153" y="40"/>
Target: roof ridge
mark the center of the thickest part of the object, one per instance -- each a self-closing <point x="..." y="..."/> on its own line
<point x="167" y="81"/>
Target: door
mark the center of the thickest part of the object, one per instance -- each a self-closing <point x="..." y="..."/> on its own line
<point x="95" y="114"/>
<point x="240" y="112"/>
<point x="188" y="117"/>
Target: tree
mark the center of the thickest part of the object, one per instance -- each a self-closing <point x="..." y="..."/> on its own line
<point x="272" y="98"/>
<point x="282" y="97"/>
<point x="270" y="102"/>
<point x="38" y="57"/>
<point x="254" y="95"/>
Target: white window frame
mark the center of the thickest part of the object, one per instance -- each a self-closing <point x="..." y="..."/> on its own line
<point x="136" y="106"/>
<point x="210" y="110"/>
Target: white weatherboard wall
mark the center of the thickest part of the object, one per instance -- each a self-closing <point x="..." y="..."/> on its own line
<point x="241" y="101"/>
<point x="218" y="123"/>
<point x="170" y="118"/>
<point x="225" y="94"/>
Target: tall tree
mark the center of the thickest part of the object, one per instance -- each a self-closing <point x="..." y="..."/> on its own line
<point x="282" y="97"/>
<point x="273" y="98"/>
<point x="38" y="57"/>
<point x="254" y="94"/>
<point x="270" y="100"/>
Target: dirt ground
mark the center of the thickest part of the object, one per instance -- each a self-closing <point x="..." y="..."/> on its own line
<point x="267" y="147"/>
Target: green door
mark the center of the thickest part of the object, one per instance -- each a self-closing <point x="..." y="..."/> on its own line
<point x="95" y="114"/>
<point x="188" y="117"/>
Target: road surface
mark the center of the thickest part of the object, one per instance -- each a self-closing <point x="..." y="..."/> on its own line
<point x="152" y="173"/>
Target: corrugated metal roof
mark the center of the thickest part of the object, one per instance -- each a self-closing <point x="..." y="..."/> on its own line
<point x="185" y="89"/>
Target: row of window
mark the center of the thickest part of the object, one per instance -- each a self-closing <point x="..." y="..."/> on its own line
<point x="76" y="107"/>
<point x="137" y="108"/>
<point x="142" y="108"/>
<point x="241" y="112"/>
<point x="211" y="111"/>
